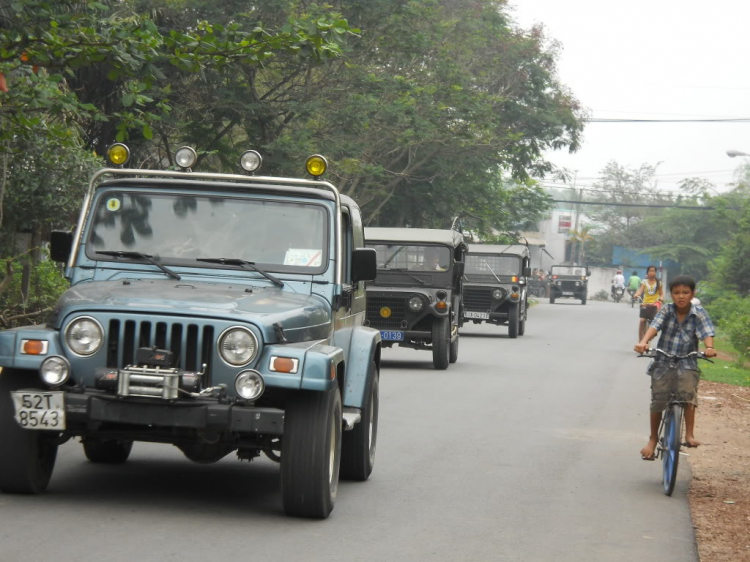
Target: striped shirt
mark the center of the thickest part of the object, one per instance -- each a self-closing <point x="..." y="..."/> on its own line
<point x="679" y="338"/>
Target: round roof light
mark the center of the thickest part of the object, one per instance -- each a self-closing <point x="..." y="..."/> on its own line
<point x="251" y="160"/>
<point x="118" y="154"/>
<point x="185" y="157"/>
<point x="316" y="165"/>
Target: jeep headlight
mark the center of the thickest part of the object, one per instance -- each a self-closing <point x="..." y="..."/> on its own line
<point x="238" y="346"/>
<point x="497" y="294"/>
<point x="84" y="336"/>
<point x="558" y="282"/>
<point x="416" y="303"/>
<point x="578" y="283"/>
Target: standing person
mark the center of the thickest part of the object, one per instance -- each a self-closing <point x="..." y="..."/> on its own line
<point x="652" y="293"/>
<point x="681" y="324"/>
<point x="633" y="283"/>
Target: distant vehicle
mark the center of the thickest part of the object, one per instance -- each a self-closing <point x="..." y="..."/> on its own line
<point x="214" y="312"/>
<point x="415" y="301"/>
<point x="495" y="286"/>
<point x="569" y="281"/>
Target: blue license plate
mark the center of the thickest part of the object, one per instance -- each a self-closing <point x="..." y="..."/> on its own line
<point x="391" y="336"/>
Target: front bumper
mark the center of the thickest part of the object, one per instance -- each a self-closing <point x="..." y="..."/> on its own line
<point x="88" y="411"/>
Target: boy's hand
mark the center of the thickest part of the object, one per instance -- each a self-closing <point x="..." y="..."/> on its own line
<point x="710" y="352"/>
<point x="641" y="347"/>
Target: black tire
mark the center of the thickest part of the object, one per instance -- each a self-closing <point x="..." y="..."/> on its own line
<point x="358" y="445"/>
<point x="111" y="451"/>
<point x="27" y="457"/>
<point x="453" y="355"/>
<point x="522" y="323"/>
<point x="441" y="333"/>
<point x="311" y="453"/>
<point x="552" y="298"/>
<point x="513" y="321"/>
<point x="671" y="453"/>
<point x="583" y="299"/>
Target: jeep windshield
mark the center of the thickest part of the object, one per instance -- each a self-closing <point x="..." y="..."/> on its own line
<point x="184" y="229"/>
<point x="571" y="270"/>
<point x="412" y="257"/>
<point x="491" y="265"/>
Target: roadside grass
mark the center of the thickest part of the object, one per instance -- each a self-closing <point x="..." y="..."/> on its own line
<point x="725" y="370"/>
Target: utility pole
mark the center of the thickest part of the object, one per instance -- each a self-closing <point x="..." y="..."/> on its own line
<point x="574" y="251"/>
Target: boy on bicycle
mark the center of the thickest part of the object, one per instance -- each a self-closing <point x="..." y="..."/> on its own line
<point x="681" y="325"/>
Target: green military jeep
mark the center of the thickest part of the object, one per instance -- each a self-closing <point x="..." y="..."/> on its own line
<point x="415" y="301"/>
<point x="214" y="312"/>
<point x="569" y="281"/>
<point x="495" y="286"/>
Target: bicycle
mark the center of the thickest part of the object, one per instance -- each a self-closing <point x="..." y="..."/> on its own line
<point x="633" y="298"/>
<point x="669" y="439"/>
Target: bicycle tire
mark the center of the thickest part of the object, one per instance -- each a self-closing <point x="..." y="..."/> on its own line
<point x="672" y="441"/>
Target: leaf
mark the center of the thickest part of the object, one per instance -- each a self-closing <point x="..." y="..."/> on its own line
<point x="147" y="132"/>
<point x="128" y="99"/>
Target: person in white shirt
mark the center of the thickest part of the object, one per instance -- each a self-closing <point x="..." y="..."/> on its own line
<point x="618" y="281"/>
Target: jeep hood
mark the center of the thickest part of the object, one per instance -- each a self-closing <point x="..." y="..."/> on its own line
<point x="262" y="306"/>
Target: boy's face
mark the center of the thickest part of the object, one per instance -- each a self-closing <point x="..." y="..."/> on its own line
<point x="681" y="296"/>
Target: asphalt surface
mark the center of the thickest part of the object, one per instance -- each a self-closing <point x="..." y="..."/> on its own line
<point x="525" y="449"/>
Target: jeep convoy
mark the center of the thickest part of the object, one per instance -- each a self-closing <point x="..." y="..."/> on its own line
<point x="219" y="313"/>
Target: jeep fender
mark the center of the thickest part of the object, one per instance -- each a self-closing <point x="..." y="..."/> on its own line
<point x="10" y="347"/>
<point x="363" y="350"/>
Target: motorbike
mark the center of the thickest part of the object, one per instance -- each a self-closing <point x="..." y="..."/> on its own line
<point x="618" y="293"/>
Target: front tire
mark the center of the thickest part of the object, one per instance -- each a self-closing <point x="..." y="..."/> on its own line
<point x="513" y="321"/>
<point x="358" y="445"/>
<point x="311" y="453"/>
<point x="441" y="333"/>
<point x="522" y="323"/>
<point x="671" y="455"/>
<point x="112" y="451"/>
<point x="583" y="298"/>
<point x="552" y="298"/>
<point x="27" y="457"/>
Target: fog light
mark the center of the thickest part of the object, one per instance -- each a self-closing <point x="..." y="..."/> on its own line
<point x="185" y="157"/>
<point x="416" y="304"/>
<point x="251" y="161"/>
<point x="249" y="385"/>
<point x="118" y="154"/>
<point x="55" y="370"/>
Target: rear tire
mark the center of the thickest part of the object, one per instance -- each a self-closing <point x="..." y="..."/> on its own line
<point x="513" y="321"/>
<point x="358" y="445"/>
<point x="552" y="298"/>
<point x="671" y="455"/>
<point x="583" y="299"/>
<point x="27" y="457"/>
<point x="453" y="357"/>
<point x="441" y="333"/>
<point x="522" y="325"/>
<point x="311" y="453"/>
<point x="112" y="451"/>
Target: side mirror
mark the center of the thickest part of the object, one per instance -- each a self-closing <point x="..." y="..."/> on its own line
<point x="527" y="272"/>
<point x="60" y="244"/>
<point x="458" y="269"/>
<point x="364" y="264"/>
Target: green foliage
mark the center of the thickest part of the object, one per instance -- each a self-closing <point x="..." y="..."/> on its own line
<point x="46" y="285"/>
<point x="731" y="313"/>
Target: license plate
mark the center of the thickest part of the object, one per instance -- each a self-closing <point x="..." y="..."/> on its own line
<point x="391" y="336"/>
<point x="39" y="410"/>
<point x="568" y="293"/>
<point x="480" y="315"/>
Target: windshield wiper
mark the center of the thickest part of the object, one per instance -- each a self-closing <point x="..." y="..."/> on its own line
<point x="139" y="256"/>
<point x="400" y="270"/>
<point x="243" y="263"/>
<point x="493" y="273"/>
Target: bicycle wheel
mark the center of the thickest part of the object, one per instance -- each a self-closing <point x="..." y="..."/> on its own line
<point x="671" y="453"/>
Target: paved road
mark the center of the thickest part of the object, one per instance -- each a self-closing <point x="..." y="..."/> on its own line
<point x="524" y="450"/>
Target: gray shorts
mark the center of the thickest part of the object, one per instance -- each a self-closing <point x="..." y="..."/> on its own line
<point x="686" y="389"/>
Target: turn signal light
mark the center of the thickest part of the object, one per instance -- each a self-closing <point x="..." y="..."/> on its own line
<point x="34" y="347"/>
<point x="441" y="305"/>
<point x="514" y="279"/>
<point x="284" y="365"/>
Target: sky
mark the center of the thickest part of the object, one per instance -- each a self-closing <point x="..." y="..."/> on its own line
<point x="653" y="59"/>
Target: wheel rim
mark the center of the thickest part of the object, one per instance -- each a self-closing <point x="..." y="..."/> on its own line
<point x="669" y="453"/>
<point x="332" y="451"/>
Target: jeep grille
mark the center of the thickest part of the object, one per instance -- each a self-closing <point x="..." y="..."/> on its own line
<point x="478" y="299"/>
<point x="189" y="342"/>
<point x="398" y="306"/>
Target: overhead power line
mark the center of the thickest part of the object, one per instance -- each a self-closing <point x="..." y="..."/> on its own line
<point x="619" y="120"/>
<point x="654" y="205"/>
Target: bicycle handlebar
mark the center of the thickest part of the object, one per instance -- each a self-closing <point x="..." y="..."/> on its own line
<point x="654" y="352"/>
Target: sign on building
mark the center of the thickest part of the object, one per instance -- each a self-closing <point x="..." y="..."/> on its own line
<point x="564" y="223"/>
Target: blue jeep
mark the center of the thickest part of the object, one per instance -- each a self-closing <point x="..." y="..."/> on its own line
<point x="215" y="312"/>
